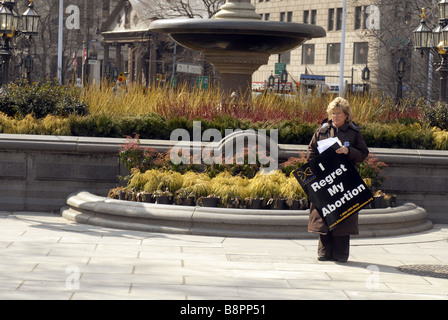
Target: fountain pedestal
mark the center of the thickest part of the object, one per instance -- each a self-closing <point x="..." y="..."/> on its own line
<point x="236" y="70"/>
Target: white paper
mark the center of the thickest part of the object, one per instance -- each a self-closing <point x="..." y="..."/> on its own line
<point x="323" y="145"/>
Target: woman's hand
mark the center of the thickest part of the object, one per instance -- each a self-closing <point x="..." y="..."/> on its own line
<point x="343" y="150"/>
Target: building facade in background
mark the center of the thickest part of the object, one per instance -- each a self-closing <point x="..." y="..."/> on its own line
<point x="105" y="37"/>
<point x="319" y="59"/>
<point x="377" y="34"/>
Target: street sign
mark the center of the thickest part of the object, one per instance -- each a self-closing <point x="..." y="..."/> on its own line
<point x="311" y="80"/>
<point x="202" y="82"/>
<point x="121" y="78"/>
<point x="189" y="68"/>
<point x="280" y="67"/>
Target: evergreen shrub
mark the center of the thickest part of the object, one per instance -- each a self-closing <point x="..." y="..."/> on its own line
<point x="436" y="115"/>
<point x="21" y="98"/>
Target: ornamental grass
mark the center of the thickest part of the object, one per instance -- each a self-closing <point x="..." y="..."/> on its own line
<point x="154" y="112"/>
<point x="207" y="104"/>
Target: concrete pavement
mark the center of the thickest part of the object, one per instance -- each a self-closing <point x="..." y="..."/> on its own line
<point x="43" y="256"/>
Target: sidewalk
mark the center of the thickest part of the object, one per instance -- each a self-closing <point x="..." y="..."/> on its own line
<point x="43" y="256"/>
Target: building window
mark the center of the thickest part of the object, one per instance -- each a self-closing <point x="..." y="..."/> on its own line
<point x="285" y="57"/>
<point x="333" y="53"/>
<point x="358" y="18"/>
<point x="306" y="16"/>
<point x="330" y="19"/>
<point x="339" y="18"/>
<point x="287" y="16"/>
<point x="308" y="54"/>
<point x="361" y="52"/>
<point x="314" y="17"/>
<point x="267" y="16"/>
<point x="365" y="17"/>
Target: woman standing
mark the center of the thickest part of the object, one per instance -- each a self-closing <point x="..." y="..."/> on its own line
<point x="335" y="245"/>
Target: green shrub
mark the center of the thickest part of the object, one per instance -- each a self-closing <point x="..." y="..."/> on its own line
<point x="155" y="126"/>
<point x="148" y="126"/>
<point x="295" y="132"/>
<point x="436" y="115"/>
<point x="398" y="135"/>
<point x="94" y="126"/>
<point x="40" y="99"/>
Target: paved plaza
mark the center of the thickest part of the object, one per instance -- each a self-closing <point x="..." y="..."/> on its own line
<point x="43" y="256"/>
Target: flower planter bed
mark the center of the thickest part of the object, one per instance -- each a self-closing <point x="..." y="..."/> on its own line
<point x="31" y="163"/>
<point x="84" y="207"/>
<point x="258" y="204"/>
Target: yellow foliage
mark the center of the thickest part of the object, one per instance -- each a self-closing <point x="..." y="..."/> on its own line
<point x="223" y="185"/>
<point x="152" y="180"/>
<point x="440" y="138"/>
<point x="292" y="189"/>
<point x="171" y="181"/>
<point x="56" y="126"/>
<point x="50" y="125"/>
<point x="200" y="189"/>
<point x="227" y="186"/>
<point x="137" y="180"/>
<point x="265" y="186"/>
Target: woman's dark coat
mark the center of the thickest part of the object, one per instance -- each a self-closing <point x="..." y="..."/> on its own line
<point x="351" y="137"/>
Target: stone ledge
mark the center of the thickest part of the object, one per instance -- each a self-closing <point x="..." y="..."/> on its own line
<point x="71" y="144"/>
<point x="84" y="207"/>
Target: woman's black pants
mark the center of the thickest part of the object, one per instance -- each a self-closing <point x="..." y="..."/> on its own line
<point x="334" y="247"/>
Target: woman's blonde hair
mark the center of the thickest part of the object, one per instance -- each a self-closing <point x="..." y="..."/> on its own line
<point x="342" y="104"/>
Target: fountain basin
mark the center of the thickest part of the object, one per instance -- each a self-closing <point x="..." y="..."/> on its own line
<point x="238" y="35"/>
<point x="237" y="47"/>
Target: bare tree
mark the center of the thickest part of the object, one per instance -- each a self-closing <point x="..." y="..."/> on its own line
<point x="394" y="40"/>
<point x="187" y="8"/>
<point x="43" y="47"/>
<point x="202" y="9"/>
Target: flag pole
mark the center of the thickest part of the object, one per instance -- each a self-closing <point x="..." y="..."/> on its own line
<point x="84" y="58"/>
<point x="341" y="75"/>
<point x="61" y="16"/>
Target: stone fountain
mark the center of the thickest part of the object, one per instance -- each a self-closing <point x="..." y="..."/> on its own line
<point x="236" y="41"/>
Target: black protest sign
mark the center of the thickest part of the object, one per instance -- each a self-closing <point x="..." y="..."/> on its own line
<point x="334" y="186"/>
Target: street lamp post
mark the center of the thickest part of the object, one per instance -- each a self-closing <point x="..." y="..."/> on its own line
<point x="9" y="28"/>
<point x="108" y="70"/>
<point x="29" y="64"/>
<point x="365" y="76"/>
<point x="271" y="82"/>
<point x="425" y="38"/>
<point x="400" y="74"/>
<point x="284" y="80"/>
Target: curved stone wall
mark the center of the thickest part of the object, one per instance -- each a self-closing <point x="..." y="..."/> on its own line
<point x="84" y="207"/>
<point x="37" y="173"/>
